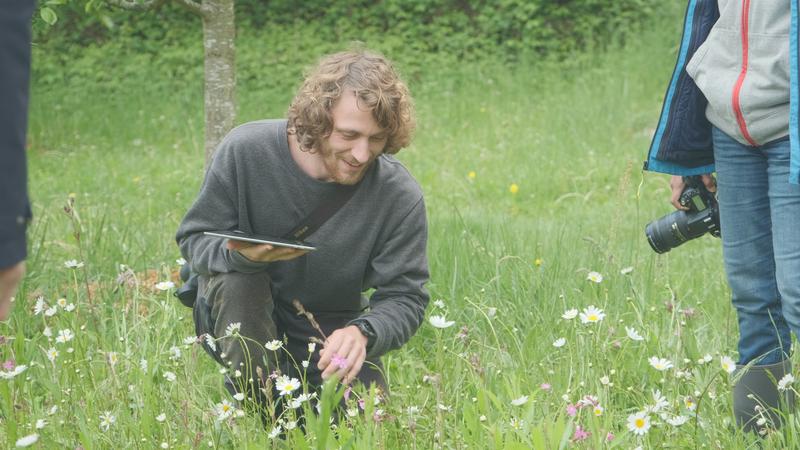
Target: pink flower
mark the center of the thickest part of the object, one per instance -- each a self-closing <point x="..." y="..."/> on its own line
<point x="361" y="403"/>
<point x="347" y="393"/>
<point x="572" y="410"/>
<point x="339" y="361"/>
<point x="580" y="434"/>
<point x="609" y="436"/>
<point x="545" y="386"/>
<point x="9" y="364"/>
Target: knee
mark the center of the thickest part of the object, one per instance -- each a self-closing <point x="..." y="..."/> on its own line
<point x="238" y="285"/>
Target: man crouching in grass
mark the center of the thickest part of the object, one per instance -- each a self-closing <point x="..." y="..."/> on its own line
<point x="349" y="117"/>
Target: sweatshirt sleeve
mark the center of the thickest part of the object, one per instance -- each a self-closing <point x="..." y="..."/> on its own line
<point x="400" y="268"/>
<point x="214" y="209"/>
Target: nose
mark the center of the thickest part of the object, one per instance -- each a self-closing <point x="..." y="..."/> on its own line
<point x="360" y="151"/>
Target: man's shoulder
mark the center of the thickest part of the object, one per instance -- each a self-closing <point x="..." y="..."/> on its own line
<point x="250" y="140"/>
<point x="396" y="180"/>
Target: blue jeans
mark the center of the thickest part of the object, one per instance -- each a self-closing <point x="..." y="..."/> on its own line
<point x="760" y="221"/>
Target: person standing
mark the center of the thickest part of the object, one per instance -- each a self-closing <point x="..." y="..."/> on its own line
<point x="15" y="211"/>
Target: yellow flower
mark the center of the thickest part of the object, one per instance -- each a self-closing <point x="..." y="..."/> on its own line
<point x="537" y="262"/>
<point x="471" y="175"/>
<point x="513" y="188"/>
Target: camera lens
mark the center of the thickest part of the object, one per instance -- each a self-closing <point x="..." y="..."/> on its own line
<point x="665" y="234"/>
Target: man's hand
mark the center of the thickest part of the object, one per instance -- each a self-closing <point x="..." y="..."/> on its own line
<point x="264" y="252"/>
<point x="343" y="354"/>
<point x="9" y="280"/>
<point x="677" y="185"/>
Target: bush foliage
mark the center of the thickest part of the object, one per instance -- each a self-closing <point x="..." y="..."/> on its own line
<point x="167" y="41"/>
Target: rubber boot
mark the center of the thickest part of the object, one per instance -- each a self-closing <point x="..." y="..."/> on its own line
<point x="756" y="396"/>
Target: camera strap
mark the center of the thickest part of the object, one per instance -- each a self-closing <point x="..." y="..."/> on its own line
<point x="326" y="209"/>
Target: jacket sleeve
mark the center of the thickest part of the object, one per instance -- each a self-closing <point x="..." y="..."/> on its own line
<point x="400" y="268"/>
<point x="216" y="208"/>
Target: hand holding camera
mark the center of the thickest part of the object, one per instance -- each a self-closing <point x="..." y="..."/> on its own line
<point x="698" y="214"/>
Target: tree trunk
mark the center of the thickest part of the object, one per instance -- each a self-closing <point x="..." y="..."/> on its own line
<point x="219" y="35"/>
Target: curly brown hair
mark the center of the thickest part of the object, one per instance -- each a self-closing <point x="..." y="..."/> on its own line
<point x="377" y="86"/>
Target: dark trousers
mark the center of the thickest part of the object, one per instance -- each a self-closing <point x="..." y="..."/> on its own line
<point x="246" y="299"/>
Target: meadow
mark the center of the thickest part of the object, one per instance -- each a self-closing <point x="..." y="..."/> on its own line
<point x="557" y="325"/>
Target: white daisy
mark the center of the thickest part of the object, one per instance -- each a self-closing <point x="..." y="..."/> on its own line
<point x="161" y="417"/>
<point x="626" y="270"/>
<point x="40" y="306"/>
<point x="52" y="354"/>
<point x="73" y="264"/>
<point x="106" y="420"/>
<point x="174" y="353"/>
<point x="595" y="277"/>
<point x="659" y="402"/>
<point x="560" y="342"/>
<point x="286" y="385"/>
<point x="233" y="329"/>
<point x="440" y="322"/>
<point x="27" y="440"/>
<point x="275" y="432"/>
<point x="660" y="364"/>
<point x="224" y="410"/>
<point x="727" y="364"/>
<point x="65" y="336"/>
<point x="785" y="382"/>
<point x="41" y="423"/>
<point x="633" y="334"/>
<point x="677" y="420"/>
<point x="165" y="285"/>
<point x="438" y="304"/>
<point x="570" y="314"/>
<point x="273" y="345"/>
<point x="169" y="376"/>
<point x="639" y="423"/>
<point x="592" y="314"/>
<point x="520" y="400"/>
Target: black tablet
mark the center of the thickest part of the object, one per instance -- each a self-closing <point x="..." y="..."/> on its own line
<point x="258" y="239"/>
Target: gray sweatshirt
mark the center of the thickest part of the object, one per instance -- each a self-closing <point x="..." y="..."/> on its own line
<point x="743" y="70"/>
<point x="377" y="240"/>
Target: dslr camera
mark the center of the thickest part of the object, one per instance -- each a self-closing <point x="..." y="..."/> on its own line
<point x="680" y="226"/>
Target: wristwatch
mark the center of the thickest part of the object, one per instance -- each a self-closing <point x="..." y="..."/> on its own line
<point x="366" y="329"/>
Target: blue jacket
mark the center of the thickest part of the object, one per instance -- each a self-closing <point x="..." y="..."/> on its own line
<point x="682" y="141"/>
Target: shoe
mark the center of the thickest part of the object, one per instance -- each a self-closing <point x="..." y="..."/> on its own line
<point x="757" y="402"/>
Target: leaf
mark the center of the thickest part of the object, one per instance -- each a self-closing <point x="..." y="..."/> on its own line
<point x="48" y="15"/>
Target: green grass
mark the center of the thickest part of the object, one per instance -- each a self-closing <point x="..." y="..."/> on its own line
<point x="571" y="136"/>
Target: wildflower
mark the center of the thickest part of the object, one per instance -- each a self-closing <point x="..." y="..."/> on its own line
<point x="51" y="311"/>
<point x="626" y="270"/>
<point x="785" y="382"/>
<point x="143" y="365"/>
<point x="633" y="334"/>
<point x="210" y="342"/>
<point x="516" y="423"/>
<point x="660" y="364"/>
<point x="570" y="314"/>
<point x="609" y="436"/>
<point x="106" y="420"/>
<point x="286" y="385"/>
<point x="290" y="424"/>
<point x="273" y="345"/>
<point x="605" y="381"/>
<point x="70" y="307"/>
<point x="175" y="353"/>
<point x="40" y="306"/>
<point x="233" y="329"/>
<point x="52" y="354"/>
<point x="352" y="412"/>
<point x="275" y="432"/>
<point x="705" y="359"/>
<point x="471" y="175"/>
<point x="639" y="423"/>
<point x="339" y="361"/>
<point x="12" y="372"/>
<point x="27" y="440"/>
<point x="677" y="420"/>
<point x="595" y="277"/>
<point x="560" y="342"/>
<point x="73" y="264"/>
<point x="520" y="400"/>
<point x="513" y="188"/>
<point x="727" y="364"/>
<point x="545" y="386"/>
<point x="598" y="410"/>
<point x="161" y="417"/>
<point x="47" y="332"/>
<point x="538" y="262"/>
<point x="169" y="376"/>
<point x="41" y="423"/>
<point x="572" y="410"/>
<point x="165" y="285"/>
<point x="312" y="346"/>
<point x="491" y="312"/>
<point x="689" y="403"/>
<point x="592" y="315"/>
<point x="580" y="434"/>
<point x="440" y="322"/>
<point x="304" y="364"/>
<point x="189" y="340"/>
<point x="659" y="402"/>
<point x="438" y="303"/>
<point x="65" y="336"/>
<point x="113" y="358"/>
<point x="589" y="400"/>
<point x="224" y="410"/>
<point x="180" y="261"/>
